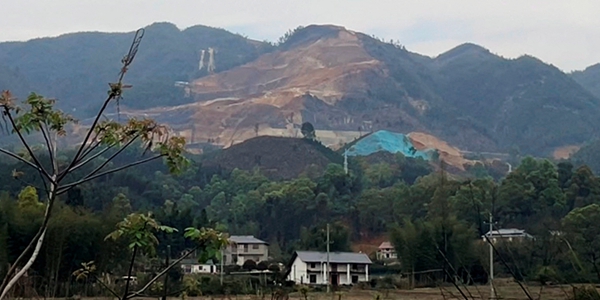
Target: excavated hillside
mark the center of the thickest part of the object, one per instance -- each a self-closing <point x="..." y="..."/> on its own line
<point x="323" y="75"/>
<point x="347" y="84"/>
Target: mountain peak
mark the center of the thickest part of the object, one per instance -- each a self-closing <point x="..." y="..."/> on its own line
<point x="310" y="34"/>
<point x="163" y="27"/>
<point x="465" y="50"/>
<point x="593" y="68"/>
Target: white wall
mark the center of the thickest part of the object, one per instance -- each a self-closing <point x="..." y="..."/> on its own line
<point x="300" y="275"/>
<point x="197" y="268"/>
<point x="298" y="272"/>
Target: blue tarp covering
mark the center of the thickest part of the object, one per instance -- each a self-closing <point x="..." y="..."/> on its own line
<point x="384" y="140"/>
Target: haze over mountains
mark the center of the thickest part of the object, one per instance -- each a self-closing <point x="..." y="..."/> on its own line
<point x="345" y="83"/>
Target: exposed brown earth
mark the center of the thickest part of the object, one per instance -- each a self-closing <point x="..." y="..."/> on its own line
<point x="451" y="155"/>
<point x="276" y="93"/>
<point x="565" y="152"/>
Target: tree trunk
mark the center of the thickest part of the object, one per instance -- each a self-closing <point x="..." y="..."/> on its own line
<point x="595" y="266"/>
<point x="412" y="278"/>
<point x="128" y="279"/>
<point x="38" y="245"/>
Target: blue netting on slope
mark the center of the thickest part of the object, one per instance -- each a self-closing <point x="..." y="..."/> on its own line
<point x="384" y="140"/>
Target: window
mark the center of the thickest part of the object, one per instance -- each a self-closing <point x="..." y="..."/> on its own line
<point x="255" y="246"/>
<point x="246" y="248"/>
<point x="354" y="279"/>
<point x="313" y="265"/>
<point x="313" y="278"/>
<point x="354" y="267"/>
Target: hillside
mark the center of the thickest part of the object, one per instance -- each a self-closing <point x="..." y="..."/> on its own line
<point x="345" y="83"/>
<point x="589" y="79"/>
<point x="521" y="102"/>
<point x="276" y="157"/>
<point x="76" y="67"/>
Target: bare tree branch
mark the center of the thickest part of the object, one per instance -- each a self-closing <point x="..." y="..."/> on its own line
<point x="163" y="272"/>
<point x="64" y="188"/>
<point x="87" y="136"/>
<point x="98" y="154"/>
<point x="107" y="160"/>
<point x="35" y="160"/>
<point x="37" y="241"/>
<point x="48" y="143"/>
<point x="15" y="156"/>
<point x="94" y="140"/>
<point x="36" y="251"/>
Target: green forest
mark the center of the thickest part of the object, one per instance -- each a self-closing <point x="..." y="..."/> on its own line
<point x="434" y="219"/>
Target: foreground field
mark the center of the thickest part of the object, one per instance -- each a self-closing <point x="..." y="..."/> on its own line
<point x="508" y="292"/>
<point x="443" y="293"/>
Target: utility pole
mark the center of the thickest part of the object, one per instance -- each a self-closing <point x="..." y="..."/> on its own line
<point x="221" y="275"/>
<point x="346" y="161"/>
<point x="492" y="294"/>
<point x="327" y="270"/>
<point x="165" y="284"/>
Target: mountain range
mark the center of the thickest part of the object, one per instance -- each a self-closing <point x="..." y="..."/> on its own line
<point x="344" y="82"/>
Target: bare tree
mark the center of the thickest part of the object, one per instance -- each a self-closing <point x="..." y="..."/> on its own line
<point x="39" y="116"/>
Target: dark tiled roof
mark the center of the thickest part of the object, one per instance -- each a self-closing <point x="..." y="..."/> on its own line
<point x="245" y="239"/>
<point x="334" y="257"/>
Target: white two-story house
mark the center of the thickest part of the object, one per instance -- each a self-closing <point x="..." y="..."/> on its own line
<point x="245" y="247"/>
<point x="310" y="267"/>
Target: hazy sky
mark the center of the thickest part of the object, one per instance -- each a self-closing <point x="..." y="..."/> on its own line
<point x="564" y="33"/>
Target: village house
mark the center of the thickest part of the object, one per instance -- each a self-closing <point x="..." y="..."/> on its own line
<point x="245" y="247"/>
<point x="346" y="268"/>
<point x="192" y="266"/>
<point x="386" y="252"/>
<point x="508" y="234"/>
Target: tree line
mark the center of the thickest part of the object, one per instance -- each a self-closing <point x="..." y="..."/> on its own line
<point x="434" y="219"/>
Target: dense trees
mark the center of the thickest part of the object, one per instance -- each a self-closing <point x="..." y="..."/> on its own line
<point x="435" y="222"/>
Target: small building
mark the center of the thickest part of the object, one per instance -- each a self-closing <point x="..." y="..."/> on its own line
<point x="508" y="234"/>
<point x="192" y="266"/>
<point x="346" y="268"/>
<point x="386" y="252"/>
<point x="245" y="247"/>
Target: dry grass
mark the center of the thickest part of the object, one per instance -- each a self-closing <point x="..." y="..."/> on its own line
<point x="505" y="292"/>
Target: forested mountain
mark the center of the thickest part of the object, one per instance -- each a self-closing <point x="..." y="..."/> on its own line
<point x="522" y="102"/>
<point x="339" y="80"/>
<point x="76" y="67"/>
<point x="589" y="78"/>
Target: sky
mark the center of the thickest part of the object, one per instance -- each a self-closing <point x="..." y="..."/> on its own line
<point x="559" y="32"/>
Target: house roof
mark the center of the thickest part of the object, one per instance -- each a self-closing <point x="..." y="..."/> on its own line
<point x="245" y="239"/>
<point x="386" y="245"/>
<point x="334" y="257"/>
<point x="507" y="232"/>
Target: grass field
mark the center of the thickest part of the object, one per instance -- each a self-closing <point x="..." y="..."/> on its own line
<point x="507" y="292"/>
<point x="504" y="290"/>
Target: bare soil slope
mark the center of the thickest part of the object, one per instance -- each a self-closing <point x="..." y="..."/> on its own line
<point x="345" y="81"/>
<point x="323" y="75"/>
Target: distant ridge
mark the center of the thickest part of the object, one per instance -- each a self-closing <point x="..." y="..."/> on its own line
<point x="344" y="82"/>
